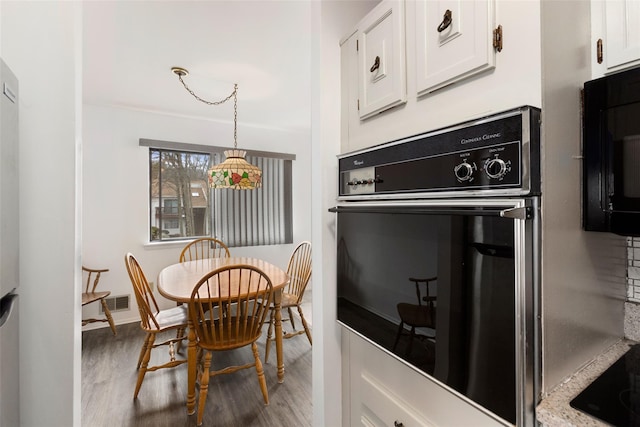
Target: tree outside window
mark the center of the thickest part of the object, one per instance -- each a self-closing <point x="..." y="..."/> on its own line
<point x="179" y="194"/>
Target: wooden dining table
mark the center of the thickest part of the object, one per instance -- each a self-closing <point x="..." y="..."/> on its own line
<point x="176" y="282"/>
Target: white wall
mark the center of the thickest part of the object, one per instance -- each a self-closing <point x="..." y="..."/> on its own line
<point x="41" y="44"/>
<point x="331" y="20"/>
<point x="116" y="191"/>
<point x="583" y="276"/>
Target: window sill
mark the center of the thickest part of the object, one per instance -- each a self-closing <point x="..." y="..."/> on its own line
<point x="166" y="244"/>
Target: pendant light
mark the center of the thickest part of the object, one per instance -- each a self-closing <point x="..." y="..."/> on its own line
<point x="234" y="172"/>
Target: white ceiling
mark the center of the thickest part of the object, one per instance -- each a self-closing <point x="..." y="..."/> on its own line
<point x="264" y="46"/>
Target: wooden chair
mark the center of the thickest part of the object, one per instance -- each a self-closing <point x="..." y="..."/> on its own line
<point x="299" y="272"/>
<point x="228" y="307"/>
<point x="154" y="321"/>
<point x="90" y="295"/>
<point x="207" y="247"/>
<point x="417" y="315"/>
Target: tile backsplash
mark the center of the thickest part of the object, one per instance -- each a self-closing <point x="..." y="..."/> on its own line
<point x="632" y="306"/>
<point x="633" y="269"/>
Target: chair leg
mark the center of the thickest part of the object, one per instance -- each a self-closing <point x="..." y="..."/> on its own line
<point x="180" y="333"/>
<point x="267" y="345"/>
<point x="395" y="344"/>
<point x="412" y="334"/>
<point x="293" y="323"/>
<point x="304" y="324"/>
<point x="107" y="313"/>
<point x="204" y="386"/>
<point x="145" y="362"/>
<point x="143" y="350"/>
<point x="260" y="372"/>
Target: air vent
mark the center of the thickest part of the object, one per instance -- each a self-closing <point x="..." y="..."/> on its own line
<point x="117" y="303"/>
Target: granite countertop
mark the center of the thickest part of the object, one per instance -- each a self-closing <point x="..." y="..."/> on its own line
<point x="555" y="411"/>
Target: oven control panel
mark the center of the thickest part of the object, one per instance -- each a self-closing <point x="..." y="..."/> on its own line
<point x="361" y="181"/>
<point x="497" y="155"/>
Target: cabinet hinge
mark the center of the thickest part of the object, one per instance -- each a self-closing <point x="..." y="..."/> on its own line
<point x="599" y="51"/>
<point x="497" y="38"/>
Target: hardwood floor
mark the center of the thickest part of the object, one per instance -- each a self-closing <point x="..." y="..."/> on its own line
<point x="109" y="378"/>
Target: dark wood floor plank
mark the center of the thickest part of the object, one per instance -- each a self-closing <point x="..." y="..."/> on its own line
<point x="109" y="378"/>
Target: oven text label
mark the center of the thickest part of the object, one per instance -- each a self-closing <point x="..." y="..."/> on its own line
<point x="484" y="137"/>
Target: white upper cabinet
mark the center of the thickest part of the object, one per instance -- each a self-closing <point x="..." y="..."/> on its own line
<point x="616" y="34"/>
<point x="454" y="40"/>
<point x="381" y="59"/>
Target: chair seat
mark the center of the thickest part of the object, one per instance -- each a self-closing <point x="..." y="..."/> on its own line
<point x="417" y="315"/>
<point x="289" y="300"/>
<point x="172" y="317"/>
<point x="88" y="297"/>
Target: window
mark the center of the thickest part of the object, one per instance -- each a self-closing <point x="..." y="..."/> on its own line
<point x="182" y="206"/>
<point x="179" y="194"/>
<point x="171" y="206"/>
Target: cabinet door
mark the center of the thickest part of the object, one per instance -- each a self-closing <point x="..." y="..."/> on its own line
<point x="454" y="40"/>
<point x="381" y="407"/>
<point x="622" y="34"/>
<point x="382" y="391"/>
<point x="381" y="59"/>
<point x="349" y="114"/>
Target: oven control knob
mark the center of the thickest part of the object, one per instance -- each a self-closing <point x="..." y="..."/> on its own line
<point x="464" y="171"/>
<point x="497" y="168"/>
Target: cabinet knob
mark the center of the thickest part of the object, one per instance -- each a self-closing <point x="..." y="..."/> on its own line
<point x="376" y="64"/>
<point x="446" y="21"/>
<point x="397" y="424"/>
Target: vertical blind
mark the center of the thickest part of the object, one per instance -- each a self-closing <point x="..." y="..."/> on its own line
<point x="256" y="217"/>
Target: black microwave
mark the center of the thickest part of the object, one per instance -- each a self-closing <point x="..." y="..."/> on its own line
<point x="611" y="154"/>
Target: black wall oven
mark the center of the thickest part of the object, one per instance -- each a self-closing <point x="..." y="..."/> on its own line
<point x="460" y="207"/>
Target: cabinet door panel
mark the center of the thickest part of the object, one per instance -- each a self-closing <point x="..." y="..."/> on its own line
<point x="381" y="407"/>
<point x="454" y="40"/>
<point x="622" y="21"/>
<point x="381" y="59"/>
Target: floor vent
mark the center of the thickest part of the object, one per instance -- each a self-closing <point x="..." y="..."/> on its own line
<point x="119" y="303"/>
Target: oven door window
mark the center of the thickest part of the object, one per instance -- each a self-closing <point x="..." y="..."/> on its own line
<point x="460" y="327"/>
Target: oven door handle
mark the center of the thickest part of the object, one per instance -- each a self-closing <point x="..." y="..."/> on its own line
<point x="517" y="213"/>
<point x="513" y="213"/>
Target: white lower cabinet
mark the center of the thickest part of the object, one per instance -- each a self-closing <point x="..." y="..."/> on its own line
<point x="379" y="390"/>
<point x="381" y="407"/>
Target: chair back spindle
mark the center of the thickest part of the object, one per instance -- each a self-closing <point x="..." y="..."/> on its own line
<point x="147" y="304"/>
<point x="299" y="270"/>
<point x="225" y="321"/>
<point x="204" y="248"/>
